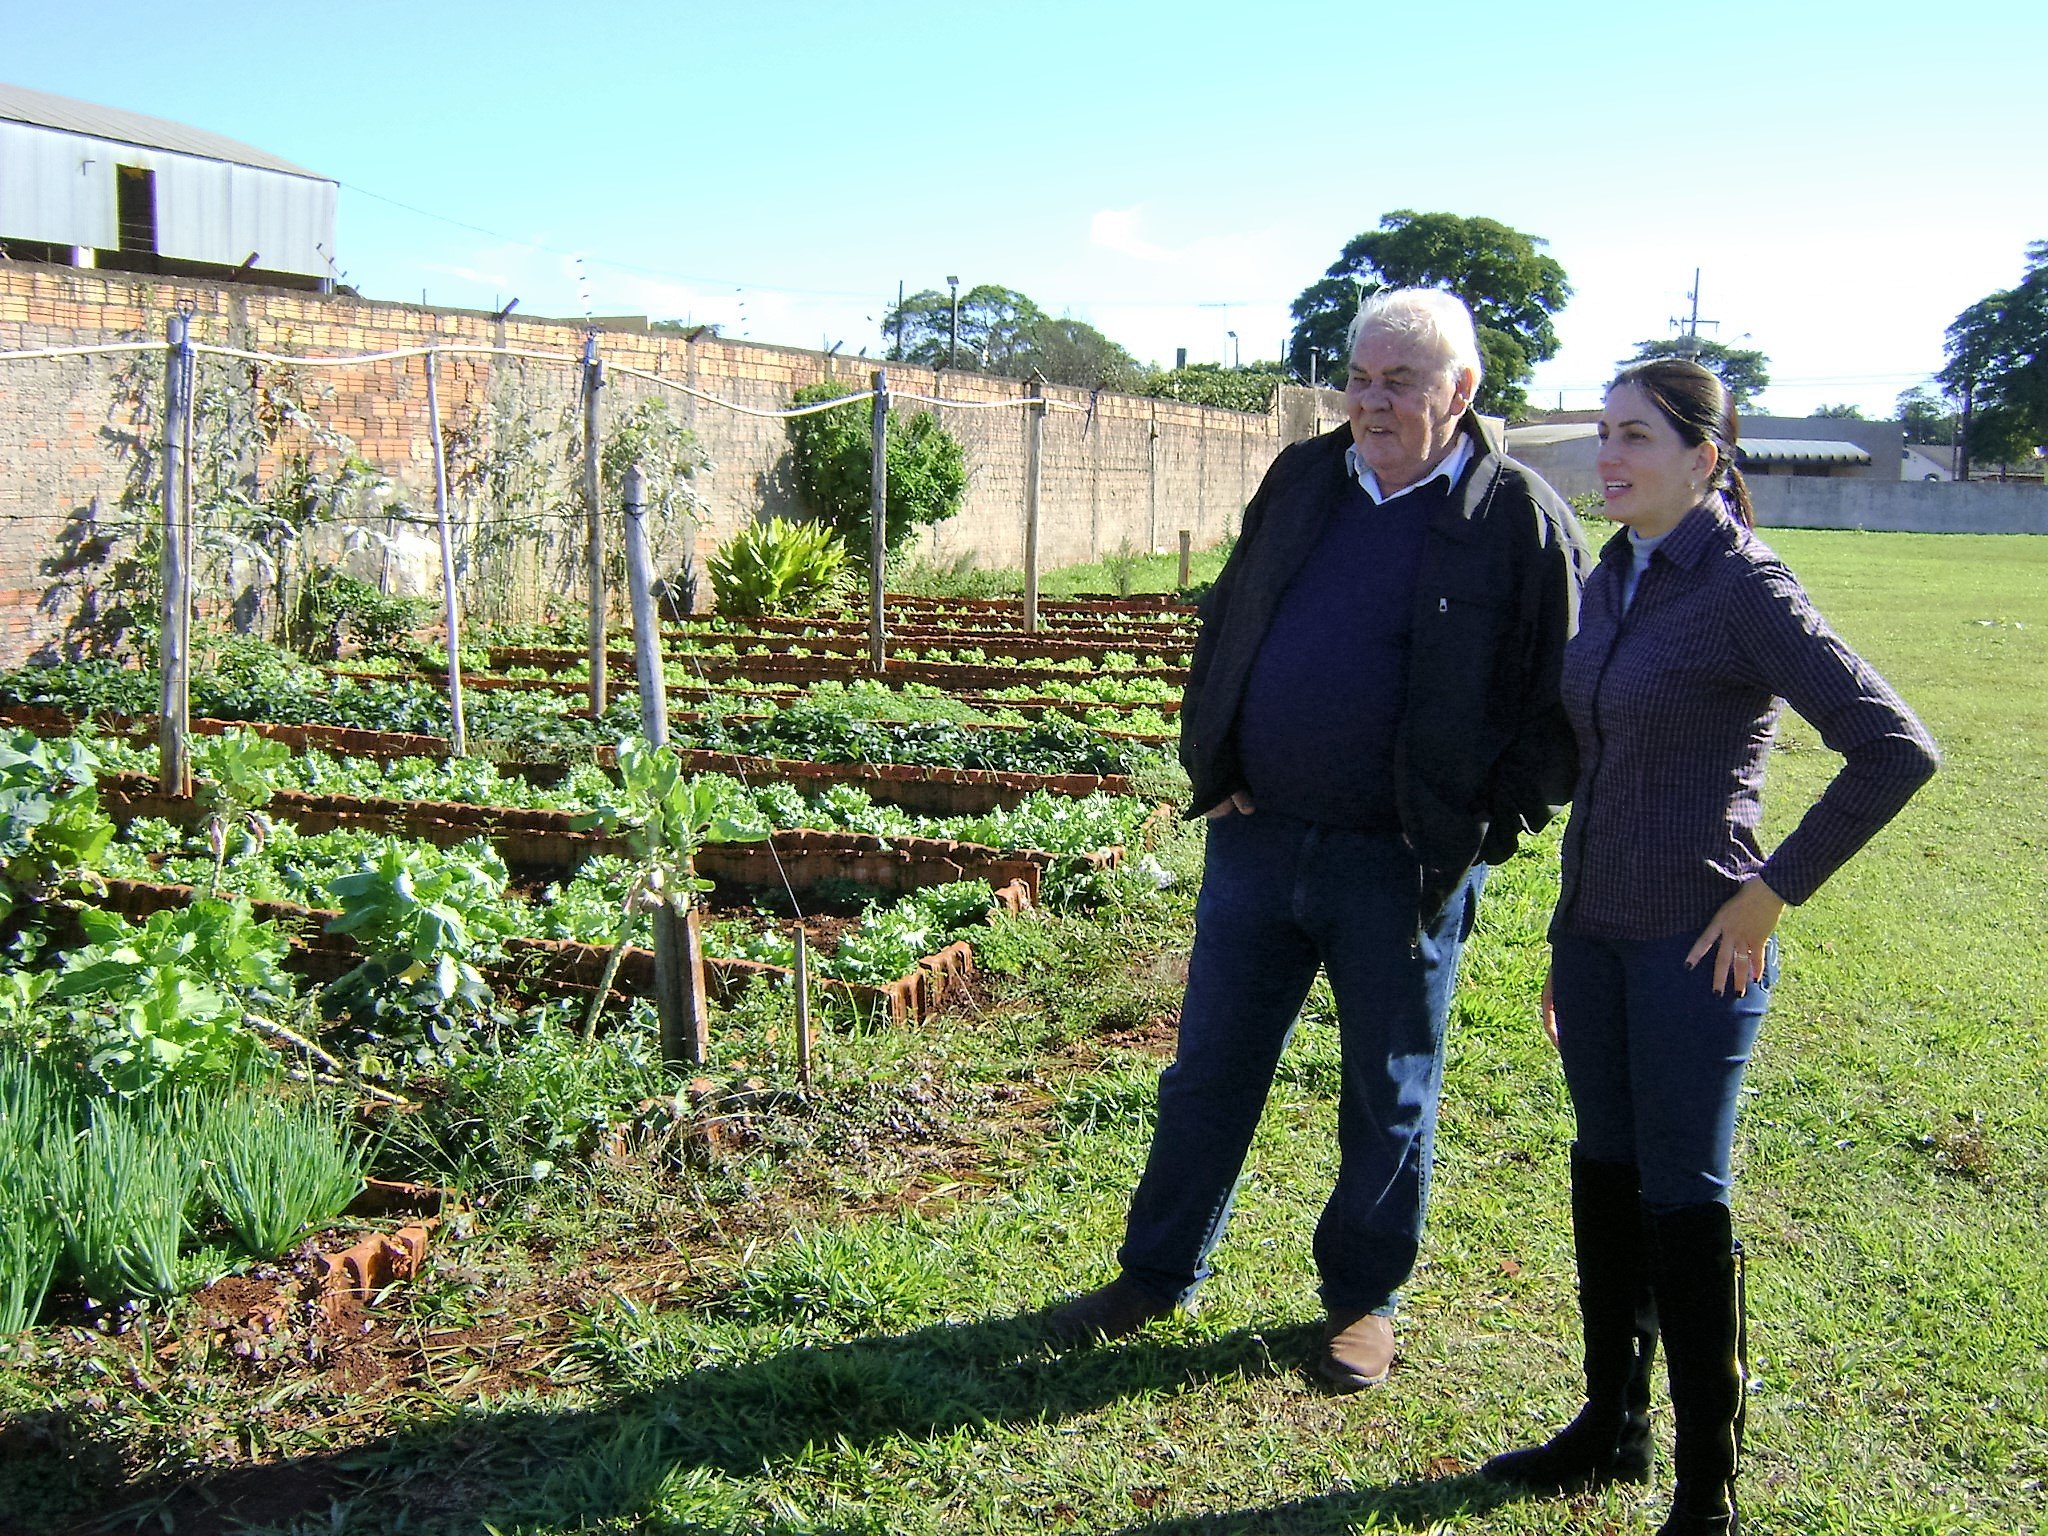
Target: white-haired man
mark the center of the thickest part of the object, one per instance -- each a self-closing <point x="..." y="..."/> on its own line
<point x="1371" y="719"/>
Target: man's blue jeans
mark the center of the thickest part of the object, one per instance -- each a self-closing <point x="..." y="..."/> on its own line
<point x="1279" y="898"/>
<point x="1654" y="1059"/>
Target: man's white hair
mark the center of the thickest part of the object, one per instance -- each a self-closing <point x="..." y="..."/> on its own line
<point x="1429" y="313"/>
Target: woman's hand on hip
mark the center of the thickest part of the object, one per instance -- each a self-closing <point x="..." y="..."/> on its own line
<point x="1738" y="934"/>
<point x="1548" y="1007"/>
<point x="1240" y="802"/>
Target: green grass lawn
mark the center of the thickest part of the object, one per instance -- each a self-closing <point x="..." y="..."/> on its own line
<point x="838" y="1347"/>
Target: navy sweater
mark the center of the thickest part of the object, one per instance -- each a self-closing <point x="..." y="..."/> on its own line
<point x="1324" y="697"/>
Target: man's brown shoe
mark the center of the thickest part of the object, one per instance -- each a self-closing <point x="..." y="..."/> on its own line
<point x="1115" y="1311"/>
<point x="1358" y="1350"/>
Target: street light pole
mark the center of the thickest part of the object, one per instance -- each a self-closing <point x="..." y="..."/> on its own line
<point x="1233" y="347"/>
<point x="953" y="346"/>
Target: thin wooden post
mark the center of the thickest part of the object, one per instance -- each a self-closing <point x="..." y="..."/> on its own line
<point x="646" y="621"/>
<point x="679" y="992"/>
<point x="451" y="615"/>
<point x="1034" y="463"/>
<point x="878" y="517"/>
<point x="593" y="512"/>
<point x="1187" y="545"/>
<point x="174" y="636"/>
<point x="803" y="1006"/>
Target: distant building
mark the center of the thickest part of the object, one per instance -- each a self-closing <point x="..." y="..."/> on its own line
<point x="1562" y="449"/>
<point x="91" y="186"/>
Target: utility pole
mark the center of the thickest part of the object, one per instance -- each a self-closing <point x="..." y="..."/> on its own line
<point x="898" y="356"/>
<point x="953" y="346"/>
<point x="1690" y="339"/>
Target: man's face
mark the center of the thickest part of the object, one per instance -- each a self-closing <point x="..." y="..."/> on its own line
<point x="1404" y="405"/>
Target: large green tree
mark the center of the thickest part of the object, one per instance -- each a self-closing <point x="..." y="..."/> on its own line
<point x="1003" y="331"/>
<point x="1745" y="372"/>
<point x="1998" y="367"/>
<point x="1502" y="273"/>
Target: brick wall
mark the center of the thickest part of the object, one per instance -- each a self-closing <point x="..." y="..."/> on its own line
<point x="80" y="437"/>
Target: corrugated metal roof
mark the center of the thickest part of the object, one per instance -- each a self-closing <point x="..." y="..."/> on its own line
<point x="22" y="105"/>
<point x="1802" y="450"/>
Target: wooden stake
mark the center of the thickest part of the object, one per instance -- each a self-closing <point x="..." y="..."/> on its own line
<point x="803" y="1006"/>
<point x="451" y="617"/>
<point x="174" y="636"/>
<point x="1034" y="460"/>
<point x="1187" y="544"/>
<point x="878" y="536"/>
<point x="593" y="513"/>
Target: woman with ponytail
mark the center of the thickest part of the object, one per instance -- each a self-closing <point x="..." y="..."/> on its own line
<point x="1662" y="954"/>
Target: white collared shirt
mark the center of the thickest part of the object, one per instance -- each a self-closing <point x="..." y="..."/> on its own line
<point x="1452" y="466"/>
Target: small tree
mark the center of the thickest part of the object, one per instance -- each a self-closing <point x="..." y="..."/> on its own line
<point x="833" y="453"/>
<point x="1836" y="413"/>
<point x="1927" y="417"/>
<point x="1746" y="373"/>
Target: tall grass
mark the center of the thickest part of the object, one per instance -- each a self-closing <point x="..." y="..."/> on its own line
<point x="38" y="1117"/>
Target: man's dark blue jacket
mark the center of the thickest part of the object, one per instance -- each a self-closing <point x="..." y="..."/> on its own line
<point x="1483" y="752"/>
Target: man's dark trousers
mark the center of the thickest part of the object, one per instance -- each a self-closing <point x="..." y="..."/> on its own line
<point x="1279" y="898"/>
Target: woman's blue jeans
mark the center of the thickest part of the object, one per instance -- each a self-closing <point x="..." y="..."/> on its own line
<point x="1280" y="898"/>
<point x="1654" y="1059"/>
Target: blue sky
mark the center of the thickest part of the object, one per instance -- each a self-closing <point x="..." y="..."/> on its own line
<point x="1845" y="177"/>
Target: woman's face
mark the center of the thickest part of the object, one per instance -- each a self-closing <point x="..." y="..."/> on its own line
<point x="1649" y="475"/>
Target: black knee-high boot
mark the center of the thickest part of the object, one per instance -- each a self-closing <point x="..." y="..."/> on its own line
<point x="1610" y="1438"/>
<point x="1696" y="1270"/>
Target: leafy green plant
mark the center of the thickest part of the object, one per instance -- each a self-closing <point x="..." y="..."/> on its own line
<point x="234" y="777"/>
<point x="51" y="827"/>
<point x="279" y="1165"/>
<point x="776" y="567"/>
<point x="166" y="1001"/>
<point x="336" y="611"/>
<point x="423" y="918"/>
<point x="663" y="814"/>
<point x="834" y="460"/>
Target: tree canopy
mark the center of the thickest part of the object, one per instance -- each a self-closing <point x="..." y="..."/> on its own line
<point x="1002" y="331"/>
<point x="1837" y="412"/>
<point x="1512" y="287"/>
<point x="1926" y="416"/>
<point x="1746" y="373"/>
<point x="1998" y="366"/>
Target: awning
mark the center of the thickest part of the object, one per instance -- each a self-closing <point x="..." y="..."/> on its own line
<point x="1800" y="450"/>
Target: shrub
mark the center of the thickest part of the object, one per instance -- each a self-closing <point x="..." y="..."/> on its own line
<point x="834" y="453"/>
<point x="776" y="567"/>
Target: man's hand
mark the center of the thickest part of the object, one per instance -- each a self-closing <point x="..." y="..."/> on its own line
<point x="1741" y="929"/>
<point x="1547" y="1008"/>
<point x="1240" y="801"/>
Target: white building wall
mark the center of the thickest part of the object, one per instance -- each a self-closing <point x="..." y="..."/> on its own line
<point x="59" y="187"/>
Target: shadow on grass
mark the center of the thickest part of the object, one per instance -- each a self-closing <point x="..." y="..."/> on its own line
<point x="698" y="1445"/>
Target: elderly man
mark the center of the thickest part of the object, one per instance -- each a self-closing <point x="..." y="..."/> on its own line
<point x="1371" y="719"/>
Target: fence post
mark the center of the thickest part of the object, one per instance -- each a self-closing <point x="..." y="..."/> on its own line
<point x="1034" y="466"/>
<point x="878" y="519"/>
<point x="679" y="995"/>
<point x="593" y="512"/>
<point x="1187" y="542"/>
<point x="174" y="639"/>
<point x="451" y="615"/>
